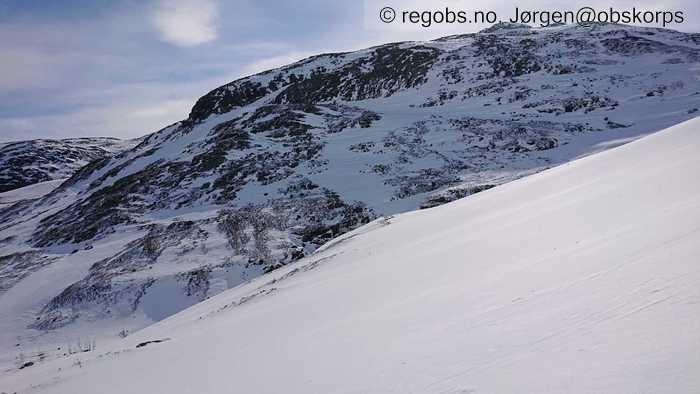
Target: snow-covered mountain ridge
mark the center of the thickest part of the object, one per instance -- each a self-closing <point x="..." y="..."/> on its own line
<point x="582" y="278"/>
<point x="268" y="168"/>
<point x="25" y="163"/>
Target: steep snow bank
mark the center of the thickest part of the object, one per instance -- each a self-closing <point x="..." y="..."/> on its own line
<point x="582" y="278"/>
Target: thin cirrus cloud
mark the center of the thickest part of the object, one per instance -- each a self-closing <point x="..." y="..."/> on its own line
<point x="186" y="23"/>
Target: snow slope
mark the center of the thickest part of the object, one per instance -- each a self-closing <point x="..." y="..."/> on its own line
<point x="581" y="278"/>
<point x="33" y="191"/>
<point x="269" y="167"/>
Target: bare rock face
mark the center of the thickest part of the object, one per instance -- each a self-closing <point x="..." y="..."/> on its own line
<point x="268" y="168"/>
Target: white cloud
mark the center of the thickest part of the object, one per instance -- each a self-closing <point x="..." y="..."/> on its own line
<point x="186" y="22"/>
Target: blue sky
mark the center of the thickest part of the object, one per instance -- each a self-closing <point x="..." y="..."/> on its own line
<point x="126" y="68"/>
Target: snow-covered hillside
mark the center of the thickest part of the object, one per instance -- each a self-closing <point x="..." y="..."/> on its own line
<point x="25" y="163"/>
<point x="268" y="168"/>
<point x="31" y="192"/>
<point x="583" y="278"/>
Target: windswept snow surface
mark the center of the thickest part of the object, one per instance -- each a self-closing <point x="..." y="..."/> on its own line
<point x="30" y="192"/>
<point x="582" y="278"/>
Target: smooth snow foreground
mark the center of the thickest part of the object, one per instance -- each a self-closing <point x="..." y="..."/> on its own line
<point x="583" y="278"/>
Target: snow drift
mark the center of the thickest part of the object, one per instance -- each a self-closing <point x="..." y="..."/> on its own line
<point x="582" y="278"/>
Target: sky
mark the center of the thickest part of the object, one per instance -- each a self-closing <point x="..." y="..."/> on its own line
<point x="126" y="68"/>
